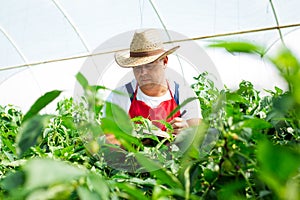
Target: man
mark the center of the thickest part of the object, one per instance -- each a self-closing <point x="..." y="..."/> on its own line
<point x="151" y="95"/>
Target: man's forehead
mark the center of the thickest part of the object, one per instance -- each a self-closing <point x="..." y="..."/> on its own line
<point x="154" y="62"/>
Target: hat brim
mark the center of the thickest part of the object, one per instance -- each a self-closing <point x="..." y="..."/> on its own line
<point x="123" y="59"/>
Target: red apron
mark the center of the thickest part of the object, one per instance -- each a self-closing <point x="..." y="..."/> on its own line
<point x="139" y="108"/>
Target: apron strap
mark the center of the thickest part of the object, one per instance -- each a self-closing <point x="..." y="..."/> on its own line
<point x="130" y="90"/>
<point x="176" y="94"/>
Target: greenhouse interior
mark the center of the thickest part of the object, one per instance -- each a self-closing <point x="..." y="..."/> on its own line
<point x="58" y="69"/>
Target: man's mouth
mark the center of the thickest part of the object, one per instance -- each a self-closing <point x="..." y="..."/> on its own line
<point x="145" y="79"/>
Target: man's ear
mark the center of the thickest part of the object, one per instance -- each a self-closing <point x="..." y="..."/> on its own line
<point x="166" y="60"/>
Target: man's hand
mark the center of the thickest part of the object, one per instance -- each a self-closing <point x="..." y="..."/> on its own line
<point x="110" y="139"/>
<point x="178" y="124"/>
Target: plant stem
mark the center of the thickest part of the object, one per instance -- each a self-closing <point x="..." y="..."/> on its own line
<point x="277" y="22"/>
<point x="247" y="181"/>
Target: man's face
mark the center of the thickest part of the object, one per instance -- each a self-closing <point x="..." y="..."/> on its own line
<point x="150" y="74"/>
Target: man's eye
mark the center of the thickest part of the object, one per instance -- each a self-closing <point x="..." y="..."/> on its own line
<point x="149" y="66"/>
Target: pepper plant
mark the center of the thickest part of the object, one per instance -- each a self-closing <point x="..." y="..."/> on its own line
<point x="247" y="146"/>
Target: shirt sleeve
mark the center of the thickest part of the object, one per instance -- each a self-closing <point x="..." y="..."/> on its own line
<point x="121" y="97"/>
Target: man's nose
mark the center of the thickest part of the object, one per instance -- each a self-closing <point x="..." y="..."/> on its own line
<point x="143" y="69"/>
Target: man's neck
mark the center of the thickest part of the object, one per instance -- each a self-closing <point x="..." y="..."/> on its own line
<point x="154" y="90"/>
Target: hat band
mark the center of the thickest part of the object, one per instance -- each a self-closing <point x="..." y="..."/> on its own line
<point x="146" y="53"/>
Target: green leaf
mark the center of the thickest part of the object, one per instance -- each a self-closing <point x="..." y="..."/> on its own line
<point x="163" y="176"/>
<point x="13" y="180"/>
<point x="30" y="131"/>
<point x="286" y="62"/>
<point x="239" y="47"/>
<point x="132" y="191"/>
<point x="190" y="140"/>
<point x="98" y="87"/>
<point x="210" y="175"/>
<point x="117" y="122"/>
<point x="47" y="172"/>
<point x="232" y="190"/>
<point x="234" y="97"/>
<point x="256" y="124"/>
<point x="146" y="182"/>
<point x="9" y="144"/>
<point x="99" y="186"/>
<point x="86" y="194"/>
<point x="41" y="103"/>
<point x="82" y="80"/>
<point x="278" y="166"/>
<point x="111" y="127"/>
<point x="68" y="122"/>
<point x="181" y="105"/>
<point x="289" y="67"/>
<point x="119" y="116"/>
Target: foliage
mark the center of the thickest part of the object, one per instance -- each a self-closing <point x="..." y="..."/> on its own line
<point x="246" y="148"/>
<point x="9" y="126"/>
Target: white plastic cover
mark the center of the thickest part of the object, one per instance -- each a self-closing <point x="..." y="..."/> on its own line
<point x="44" y="43"/>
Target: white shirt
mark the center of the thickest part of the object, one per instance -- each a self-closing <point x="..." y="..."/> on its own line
<point x="192" y="108"/>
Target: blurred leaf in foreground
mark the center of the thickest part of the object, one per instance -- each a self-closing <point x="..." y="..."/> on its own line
<point x="117" y="122"/>
<point x="46" y="172"/>
<point x="239" y="47"/>
<point x="278" y="167"/>
<point x="41" y="103"/>
<point x="30" y="131"/>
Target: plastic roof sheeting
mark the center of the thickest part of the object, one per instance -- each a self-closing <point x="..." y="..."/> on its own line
<point x="50" y="35"/>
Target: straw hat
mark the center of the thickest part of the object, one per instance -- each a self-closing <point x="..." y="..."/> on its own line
<point x="146" y="47"/>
